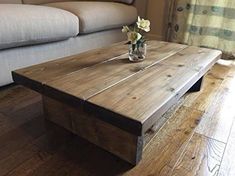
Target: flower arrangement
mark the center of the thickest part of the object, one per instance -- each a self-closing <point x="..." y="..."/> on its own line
<point x="135" y="33"/>
<point x="136" y="39"/>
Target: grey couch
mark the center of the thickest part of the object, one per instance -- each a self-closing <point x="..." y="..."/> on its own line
<point x="35" y="31"/>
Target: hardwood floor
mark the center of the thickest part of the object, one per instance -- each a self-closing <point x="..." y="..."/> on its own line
<point x="197" y="139"/>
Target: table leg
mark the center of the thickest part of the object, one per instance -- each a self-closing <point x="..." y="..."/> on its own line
<point x="121" y="143"/>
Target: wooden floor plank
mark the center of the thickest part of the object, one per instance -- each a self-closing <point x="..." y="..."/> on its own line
<point x="213" y="80"/>
<point x="85" y="161"/>
<point x="17" y="158"/>
<point x="202" y="157"/>
<point x="5" y="124"/>
<point x="29" y="157"/>
<point x="219" y="117"/>
<point x="34" y="161"/>
<point x="18" y="117"/>
<point x="165" y="149"/>
<point x="16" y="98"/>
<point x="27" y="167"/>
<point x="82" y="158"/>
<point x="227" y="167"/>
<point x="229" y="82"/>
<point x="17" y="138"/>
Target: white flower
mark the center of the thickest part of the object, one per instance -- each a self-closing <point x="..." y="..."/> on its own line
<point x="133" y="37"/>
<point x="125" y="29"/>
<point x="143" y="24"/>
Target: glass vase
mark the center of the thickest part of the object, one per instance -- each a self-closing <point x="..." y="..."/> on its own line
<point x="137" y="53"/>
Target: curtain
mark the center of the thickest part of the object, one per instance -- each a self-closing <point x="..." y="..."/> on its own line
<point x="204" y="23"/>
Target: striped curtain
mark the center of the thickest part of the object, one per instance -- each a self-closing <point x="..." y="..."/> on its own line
<point x="205" y="23"/>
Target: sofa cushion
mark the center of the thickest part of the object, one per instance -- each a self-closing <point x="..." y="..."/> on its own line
<point x="98" y="16"/>
<point x="42" y="1"/>
<point x="10" y="2"/>
<point x="29" y="24"/>
<point x="50" y="1"/>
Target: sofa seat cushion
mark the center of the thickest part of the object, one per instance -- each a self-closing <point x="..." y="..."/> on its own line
<point x="29" y="24"/>
<point x="98" y="16"/>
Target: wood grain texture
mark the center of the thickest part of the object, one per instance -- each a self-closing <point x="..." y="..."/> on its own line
<point x="159" y="124"/>
<point x="78" y="157"/>
<point x="93" y="80"/>
<point x="36" y="152"/>
<point x="111" y="87"/>
<point x="35" y="161"/>
<point x="227" y="166"/>
<point x="56" y="68"/>
<point x="216" y="101"/>
<point x="35" y="76"/>
<point x="14" y="160"/>
<point x="106" y="136"/>
<point x="23" y="132"/>
<point x="8" y="124"/>
<point x="162" y="82"/>
<point x="218" y="119"/>
<point x="201" y="157"/>
<point x="5" y="124"/>
<point x="202" y="100"/>
<point x="151" y="93"/>
<point x="16" y="98"/>
<point x="105" y="94"/>
<point x="229" y="81"/>
<point x="20" y="136"/>
<point x="164" y="150"/>
<point x="191" y="57"/>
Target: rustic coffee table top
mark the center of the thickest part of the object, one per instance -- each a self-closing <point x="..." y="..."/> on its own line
<point x="131" y="96"/>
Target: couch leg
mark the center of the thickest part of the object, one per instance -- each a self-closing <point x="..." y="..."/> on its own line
<point x="197" y="86"/>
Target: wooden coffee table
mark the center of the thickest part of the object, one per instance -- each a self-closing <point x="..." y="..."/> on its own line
<point x="102" y="97"/>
